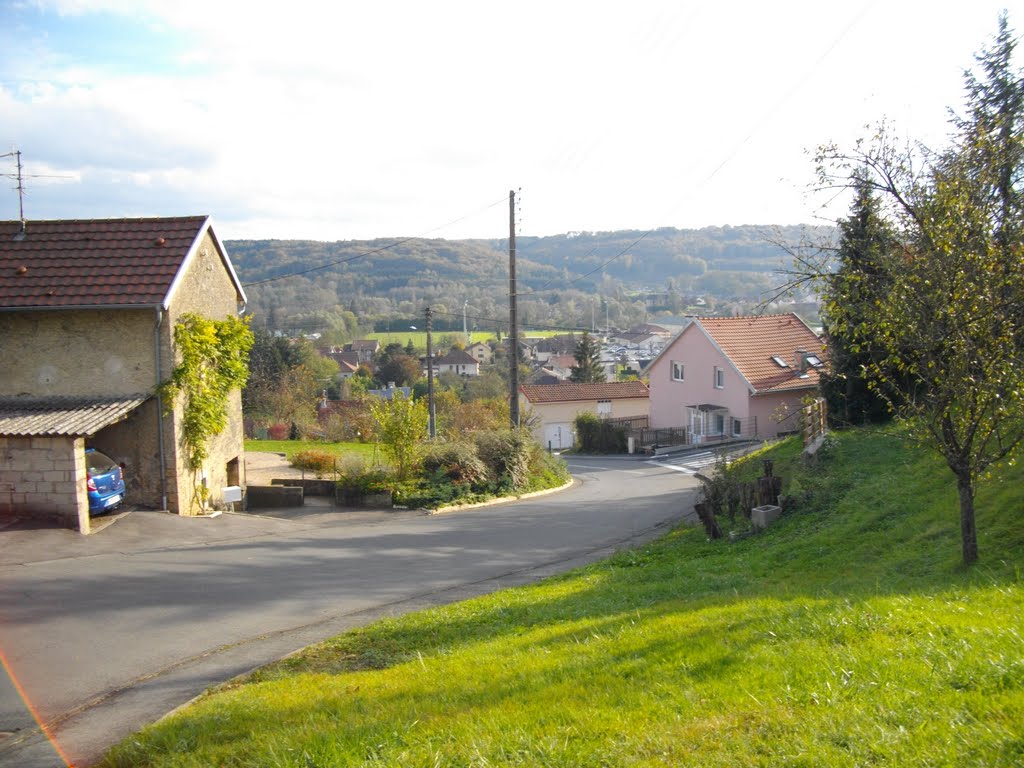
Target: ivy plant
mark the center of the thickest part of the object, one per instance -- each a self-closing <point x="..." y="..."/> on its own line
<point x="214" y="360"/>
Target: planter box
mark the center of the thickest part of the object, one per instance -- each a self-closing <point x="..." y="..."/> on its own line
<point x="763" y="516"/>
<point x="364" y="501"/>
<point x="269" y="496"/>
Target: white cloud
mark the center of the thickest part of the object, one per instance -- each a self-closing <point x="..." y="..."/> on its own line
<point x="361" y="120"/>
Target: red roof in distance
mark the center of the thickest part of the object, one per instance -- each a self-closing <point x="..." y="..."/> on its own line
<point x="570" y="392"/>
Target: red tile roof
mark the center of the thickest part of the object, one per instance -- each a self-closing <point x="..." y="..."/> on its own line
<point x="569" y="392"/>
<point x="751" y="343"/>
<point x="457" y="357"/>
<point x="97" y="262"/>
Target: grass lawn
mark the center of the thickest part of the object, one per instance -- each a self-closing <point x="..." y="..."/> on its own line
<point x="848" y="634"/>
<point x="291" y="447"/>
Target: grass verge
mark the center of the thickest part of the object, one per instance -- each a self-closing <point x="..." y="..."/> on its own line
<point x="848" y="634"/>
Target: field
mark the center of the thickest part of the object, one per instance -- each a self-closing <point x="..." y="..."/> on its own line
<point x="848" y="634"/>
<point x="443" y="339"/>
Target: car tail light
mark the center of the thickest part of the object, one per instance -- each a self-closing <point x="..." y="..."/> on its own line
<point x="89" y="483"/>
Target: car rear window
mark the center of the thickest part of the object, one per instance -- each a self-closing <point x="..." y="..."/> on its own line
<point x="99" y="463"/>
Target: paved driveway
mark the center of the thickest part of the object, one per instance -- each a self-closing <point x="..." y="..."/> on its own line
<point x="106" y="633"/>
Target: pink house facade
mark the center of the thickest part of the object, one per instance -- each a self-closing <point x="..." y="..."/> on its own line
<point x="728" y="377"/>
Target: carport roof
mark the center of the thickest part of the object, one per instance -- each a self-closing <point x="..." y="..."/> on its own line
<point x="63" y="416"/>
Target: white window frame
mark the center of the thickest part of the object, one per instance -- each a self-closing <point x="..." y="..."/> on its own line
<point x="604" y="407"/>
<point x="678" y="371"/>
<point x="719" y="377"/>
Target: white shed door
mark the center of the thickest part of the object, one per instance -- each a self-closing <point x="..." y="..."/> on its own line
<point x="558" y="436"/>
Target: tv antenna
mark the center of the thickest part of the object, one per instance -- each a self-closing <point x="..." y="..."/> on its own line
<point x="21" y="185"/>
<point x="20" y="176"/>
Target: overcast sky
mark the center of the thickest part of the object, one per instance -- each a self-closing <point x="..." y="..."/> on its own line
<point x="356" y="120"/>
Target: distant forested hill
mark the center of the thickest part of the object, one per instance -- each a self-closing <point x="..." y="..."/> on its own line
<point x="625" y="276"/>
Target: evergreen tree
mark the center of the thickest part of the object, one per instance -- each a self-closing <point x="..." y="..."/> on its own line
<point x="865" y="242"/>
<point x="588" y="368"/>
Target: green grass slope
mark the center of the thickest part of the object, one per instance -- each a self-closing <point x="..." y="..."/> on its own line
<point x="848" y="634"/>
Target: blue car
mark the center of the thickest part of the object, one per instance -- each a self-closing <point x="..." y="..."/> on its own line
<point x="105" y="482"/>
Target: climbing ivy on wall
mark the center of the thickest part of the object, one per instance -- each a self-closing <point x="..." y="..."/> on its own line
<point x="214" y="360"/>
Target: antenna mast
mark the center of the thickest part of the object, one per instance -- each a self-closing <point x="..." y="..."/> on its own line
<point x="16" y="154"/>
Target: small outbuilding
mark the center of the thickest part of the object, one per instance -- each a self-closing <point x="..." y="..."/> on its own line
<point x="87" y="316"/>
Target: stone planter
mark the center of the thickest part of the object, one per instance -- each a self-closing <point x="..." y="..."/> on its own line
<point x="355" y="500"/>
<point x="763" y="516"/>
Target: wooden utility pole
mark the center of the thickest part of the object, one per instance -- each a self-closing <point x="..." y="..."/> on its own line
<point x="431" y="421"/>
<point x="513" y="327"/>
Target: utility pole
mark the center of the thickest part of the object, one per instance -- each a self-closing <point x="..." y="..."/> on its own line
<point x="513" y="328"/>
<point x="431" y="424"/>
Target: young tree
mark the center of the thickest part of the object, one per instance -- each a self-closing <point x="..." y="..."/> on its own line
<point x="950" y="324"/>
<point x="588" y="368"/>
<point x="401" y="429"/>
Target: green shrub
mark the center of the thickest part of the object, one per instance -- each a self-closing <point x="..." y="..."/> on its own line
<point x="595" y="435"/>
<point x="360" y="482"/>
<point x="319" y="462"/>
<point x="458" y="462"/>
<point x="506" y="454"/>
<point x="546" y="470"/>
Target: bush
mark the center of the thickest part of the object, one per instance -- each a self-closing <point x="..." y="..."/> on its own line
<point x="365" y="481"/>
<point x="319" y="462"/>
<point x="506" y="454"/>
<point x="546" y="470"/>
<point x="458" y="462"/>
<point x="595" y="435"/>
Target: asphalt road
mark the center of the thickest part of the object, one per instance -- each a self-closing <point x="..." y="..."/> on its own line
<point x="101" y="635"/>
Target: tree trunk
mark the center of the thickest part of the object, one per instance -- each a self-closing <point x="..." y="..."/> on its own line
<point x="968" y="530"/>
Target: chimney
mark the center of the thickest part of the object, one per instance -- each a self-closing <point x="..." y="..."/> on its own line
<point x="800" y="360"/>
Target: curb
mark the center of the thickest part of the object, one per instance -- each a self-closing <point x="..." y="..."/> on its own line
<point x="502" y="500"/>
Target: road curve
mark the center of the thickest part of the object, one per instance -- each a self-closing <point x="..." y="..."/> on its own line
<point x="104" y="634"/>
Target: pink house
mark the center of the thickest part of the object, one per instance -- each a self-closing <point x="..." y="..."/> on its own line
<point x="735" y="377"/>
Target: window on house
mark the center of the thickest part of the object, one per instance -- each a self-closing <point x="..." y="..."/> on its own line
<point x="780" y="362"/>
<point x="677" y="371"/>
<point x="604" y="407"/>
<point x="737" y="428"/>
<point x="814" y="361"/>
<point x="719" y="424"/>
<point x="719" y="378"/>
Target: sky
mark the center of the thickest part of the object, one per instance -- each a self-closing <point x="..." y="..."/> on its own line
<point x="359" y="120"/>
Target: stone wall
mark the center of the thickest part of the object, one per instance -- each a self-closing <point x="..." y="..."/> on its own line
<point x="44" y="477"/>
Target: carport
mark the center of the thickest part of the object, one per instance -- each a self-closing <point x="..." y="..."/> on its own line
<point x="42" y="454"/>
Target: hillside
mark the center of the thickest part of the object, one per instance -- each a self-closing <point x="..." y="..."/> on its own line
<point x="848" y="634"/>
<point x="562" y="279"/>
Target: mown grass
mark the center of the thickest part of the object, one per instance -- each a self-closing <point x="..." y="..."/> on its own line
<point x="848" y="634"/>
<point x="291" y="447"/>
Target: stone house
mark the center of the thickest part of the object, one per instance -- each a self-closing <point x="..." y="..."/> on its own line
<point x="725" y="377"/>
<point x="556" y="406"/>
<point x="88" y="310"/>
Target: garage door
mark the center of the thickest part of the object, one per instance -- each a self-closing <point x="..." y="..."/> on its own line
<point x="558" y="436"/>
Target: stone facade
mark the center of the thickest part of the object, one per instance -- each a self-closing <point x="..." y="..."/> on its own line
<point x="114" y="351"/>
<point x="46" y="475"/>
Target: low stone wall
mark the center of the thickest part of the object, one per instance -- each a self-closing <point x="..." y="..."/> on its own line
<point x="309" y="487"/>
<point x="268" y="496"/>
